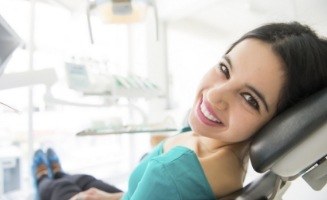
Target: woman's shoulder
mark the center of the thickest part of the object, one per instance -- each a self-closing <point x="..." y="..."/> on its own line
<point x="223" y="171"/>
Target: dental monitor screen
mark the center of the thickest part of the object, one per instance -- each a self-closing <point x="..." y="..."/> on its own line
<point x="9" y="41"/>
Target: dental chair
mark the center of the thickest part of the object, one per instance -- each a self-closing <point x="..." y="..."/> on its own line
<point x="293" y="144"/>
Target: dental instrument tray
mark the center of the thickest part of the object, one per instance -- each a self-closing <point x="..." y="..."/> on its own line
<point x="125" y="130"/>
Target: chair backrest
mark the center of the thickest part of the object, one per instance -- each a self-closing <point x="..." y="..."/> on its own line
<point x="287" y="147"/>
<point x="288" y="137"/>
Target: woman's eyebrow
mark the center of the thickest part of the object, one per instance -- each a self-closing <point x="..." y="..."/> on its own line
<point x="228" y="60"/>
<point x="260" y="95"/>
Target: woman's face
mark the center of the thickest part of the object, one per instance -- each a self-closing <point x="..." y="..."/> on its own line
<point x="240" y="94"/>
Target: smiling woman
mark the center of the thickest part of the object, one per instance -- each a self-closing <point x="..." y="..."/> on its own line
<point x="256" y="79"/>
<point x="238" y="93"/>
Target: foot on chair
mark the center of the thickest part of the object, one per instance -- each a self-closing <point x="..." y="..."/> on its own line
<point x="54" y="162"/>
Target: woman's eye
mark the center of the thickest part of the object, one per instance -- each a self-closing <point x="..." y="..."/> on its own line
<point x="224" y="69"/>
<point x="251" y="100"/>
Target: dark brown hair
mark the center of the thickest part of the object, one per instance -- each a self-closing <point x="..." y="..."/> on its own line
<point x="304" y="55"/>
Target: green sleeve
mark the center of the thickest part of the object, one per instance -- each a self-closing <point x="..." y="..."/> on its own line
<point x="156" y="184"/>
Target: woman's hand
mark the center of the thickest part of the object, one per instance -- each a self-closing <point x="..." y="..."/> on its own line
<point x="96" y="194"/>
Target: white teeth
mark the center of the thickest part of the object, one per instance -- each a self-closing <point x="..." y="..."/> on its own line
<point x="207" y="114"/>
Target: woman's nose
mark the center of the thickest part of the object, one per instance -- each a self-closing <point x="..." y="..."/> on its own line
<point x="221" y="105"/>
<point x="219" y="98"/>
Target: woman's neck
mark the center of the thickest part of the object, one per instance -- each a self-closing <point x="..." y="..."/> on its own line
<point x="206" y="145"/>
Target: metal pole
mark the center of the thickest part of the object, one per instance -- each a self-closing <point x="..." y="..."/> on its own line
<point x="30" y="88"/>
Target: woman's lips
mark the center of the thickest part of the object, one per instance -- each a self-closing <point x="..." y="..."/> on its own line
<point x="206" y="116"/>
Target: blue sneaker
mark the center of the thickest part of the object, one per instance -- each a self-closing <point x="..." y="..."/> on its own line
<point x="39" y="167"/>
<point x="54" y="163"/>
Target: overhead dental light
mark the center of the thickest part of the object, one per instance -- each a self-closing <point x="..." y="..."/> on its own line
<point x="122" y="11"/>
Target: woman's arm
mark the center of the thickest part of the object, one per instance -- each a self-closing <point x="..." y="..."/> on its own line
<point x="172" y="177"/>
<point x="96" y="194"/>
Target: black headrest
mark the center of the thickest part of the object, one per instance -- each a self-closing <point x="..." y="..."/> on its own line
<point x="287" y="130"/>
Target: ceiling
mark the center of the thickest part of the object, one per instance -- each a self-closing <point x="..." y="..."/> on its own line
<point x="227" y="16"/>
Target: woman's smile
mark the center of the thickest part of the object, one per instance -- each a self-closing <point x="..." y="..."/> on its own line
<point x="233" y="97"/>
<point x="206" y="114"/>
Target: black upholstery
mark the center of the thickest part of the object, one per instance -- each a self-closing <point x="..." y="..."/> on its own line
<point x="278" y="137"/>
<point x="287" y="130"/>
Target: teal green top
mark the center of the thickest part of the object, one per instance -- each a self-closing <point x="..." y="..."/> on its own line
<point x="176" y="174"/>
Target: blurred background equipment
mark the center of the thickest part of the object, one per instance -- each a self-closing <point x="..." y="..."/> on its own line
<point x="91" y="66"/>
<point x="9" y="41"/>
